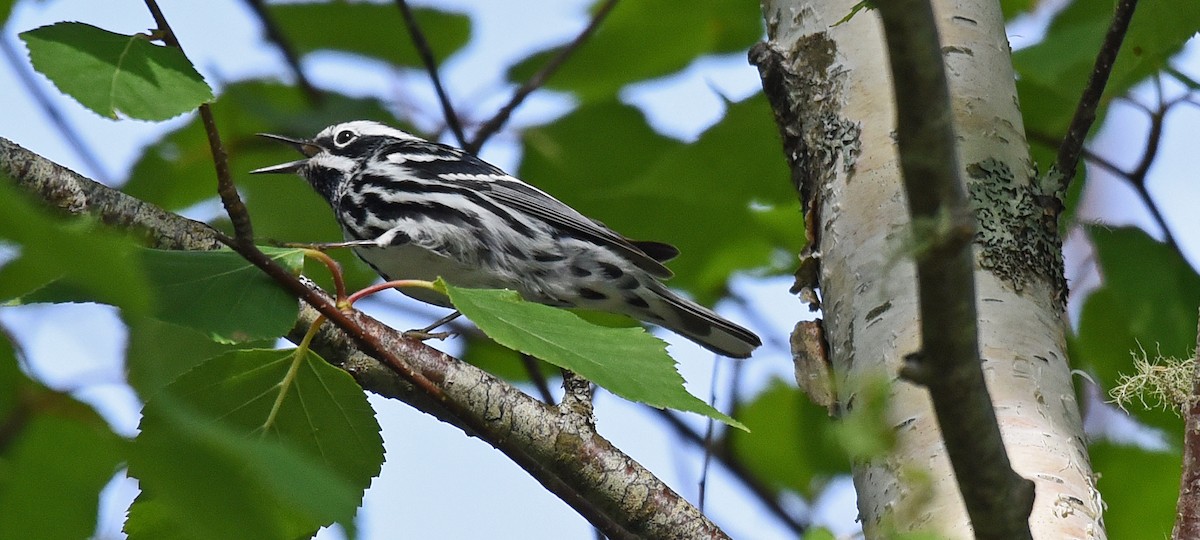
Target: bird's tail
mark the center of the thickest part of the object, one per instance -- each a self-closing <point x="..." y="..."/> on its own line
<point x="701" y="325"/>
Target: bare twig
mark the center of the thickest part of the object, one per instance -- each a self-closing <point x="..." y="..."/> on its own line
<point x="493" y="124"/>
<point x="275" y="35"/>
<point x="243" y="231"/>
<point x="1137" y="177"/>
<point x="537" y="378"/>
<point x="426" y="54"/>
<point x="1085" y="112"/>
<point x="997" y="499"/>
<point x="68" y="132"/>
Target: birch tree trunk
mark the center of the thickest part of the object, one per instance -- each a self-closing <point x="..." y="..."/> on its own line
<point x="838" y="130"/>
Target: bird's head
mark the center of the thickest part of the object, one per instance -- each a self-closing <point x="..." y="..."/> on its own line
<point x="336" y="152"/>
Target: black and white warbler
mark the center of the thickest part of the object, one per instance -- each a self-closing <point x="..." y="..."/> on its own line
<point x="415" y="209"/>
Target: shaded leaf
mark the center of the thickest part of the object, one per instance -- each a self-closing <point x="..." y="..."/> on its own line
<point x="222" y="294"/>
<point x="647" y="39"/>
<point x="114" y="74"/>
<point x="93" y="264"/>
<point x="1139" y="487"/>
<point x="606" y="162"/>
<point x="158" y="352"/>
<point x="303" y="468"/>
<point x="626" y="361"/>
<point x="370" y="29"/>
<point x="44" y="495"/>
<point x="791" y="444"/>
<point x="1147" y="302"/>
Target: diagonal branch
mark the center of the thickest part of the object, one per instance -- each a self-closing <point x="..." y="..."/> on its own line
<point x="998" y="500"/>
<point x="493" y="124"/>
<point x="1085" y="112"/>
<point x="426" y="54"/>
<point x="569" y="459"/>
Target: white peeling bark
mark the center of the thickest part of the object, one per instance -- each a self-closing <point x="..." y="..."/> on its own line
<point x="868" y="281"/>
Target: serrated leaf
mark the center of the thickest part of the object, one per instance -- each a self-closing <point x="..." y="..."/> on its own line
<point x="114" y="74"/>
<point x="222" y="294"/>
<point x="625" y="361"/>
<point x="370" y="29"/>
<point x="305" y="467"/>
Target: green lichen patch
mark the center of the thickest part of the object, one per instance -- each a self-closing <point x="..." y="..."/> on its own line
<point x="1018" y="235"/>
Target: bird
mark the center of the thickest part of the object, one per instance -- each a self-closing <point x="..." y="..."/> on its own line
<point x="416" y="209"/>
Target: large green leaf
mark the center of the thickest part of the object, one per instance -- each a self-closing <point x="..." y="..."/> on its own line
<point x="115" y="74"/>
<point x="371" y="29"/>
<point x="90" y="263"/>
<point x="43" y="493"/>
<point x="222" y="294"/>
<point x="159" y="352"/>
<point x="1147" y="303"/>
<point x="646" y="39"/>
<point x="1139" y="486"/>
<point x="724" y="200"/>
<point x="256" y="444"/>
<point x="791" y="445"/>
<point x="625" y="361"/>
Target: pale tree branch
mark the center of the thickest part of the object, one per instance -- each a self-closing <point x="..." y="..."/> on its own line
<point x="569" y="458"/>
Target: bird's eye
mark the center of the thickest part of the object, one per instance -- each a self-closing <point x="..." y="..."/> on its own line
<point x="344" y="137"/>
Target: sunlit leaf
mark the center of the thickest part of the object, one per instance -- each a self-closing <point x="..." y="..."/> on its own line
<point x="625" y="361"/>
<point x="221" y="293"/>
<point x="115" y="74"/>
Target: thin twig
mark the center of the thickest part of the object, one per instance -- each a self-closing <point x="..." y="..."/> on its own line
<point x="1085" y="112"/>
<point x="1137" y="177"/>
<point x="51" y="110"/>
<point x="493" y="124"/>
<point x="275" y="35"/>
<point x="426" y="54"/>
<point x="243" y="232"/>
<point x="1187" y="509"/>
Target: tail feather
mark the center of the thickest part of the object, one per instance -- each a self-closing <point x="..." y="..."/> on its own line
<point x="702" y="325"/>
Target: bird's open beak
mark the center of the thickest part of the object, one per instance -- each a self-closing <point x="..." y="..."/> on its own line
<point x="308" y="148"/>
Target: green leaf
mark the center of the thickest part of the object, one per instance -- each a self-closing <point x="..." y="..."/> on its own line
<point x="44" y="495"/>
<point x="688" y="195"/>
<point x="1139" y="487"/>
<point x="303" y="467"/>
<point x="115" y="74"/>
<point x="159" y="352"/>
<point x="1052" y="74"/>
<point x="222" y="294"/>
<point x="370" y="29"/>
<point x="95" y="264"/>
<point x="1147" y="302"/>
<point x="626" y="361"/>
<point x="646" y="39"/>
<point x="791" y="444"/>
